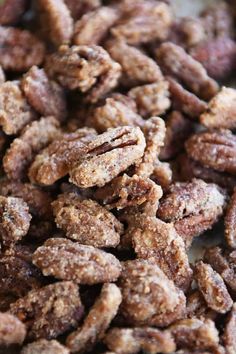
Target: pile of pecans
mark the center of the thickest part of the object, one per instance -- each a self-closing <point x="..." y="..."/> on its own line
<point x="118" y="156"/>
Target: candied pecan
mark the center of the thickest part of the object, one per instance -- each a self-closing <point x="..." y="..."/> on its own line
<point x="152" y="99"/>
<point x="229" y="336"/>
<point x="154" y="131"/>
<point x="197" y="307"/>
<point x="194" y="207"/>
<point x="215" y="149"/>
<point x="113" y="114"/>
<point x="162" y="174"/>
<point x="97" y="320"/>
<point x="44" y="95"/>
<point x="107" y="156"/>
<point x="56" y="21"/>
<point x="221" y="110"/>
<point x="15" y="220"/>
<point x="93" y="27"/>
<point x="86" y="222"/>
<point x="212" y="288"/>
<point x="149" y="297"/>
<point x="178" y="129"/>
<point x="11" y="11"/>
<point x="67" y="260"/>
<point x="175" y="61"/>
<point x="43" y="346"/>
<point x="187" y="32"/>
<point x="22" y="150"/>
<point x="79" y="8"/>
<point x="230" y="220"/>
<point x="50" y="311"/>
<point x="137" y="67"/>
<point x="15" y="112"/>
<point x="137" y="339"/>
<point x="217" y="56"/>
<point x="194" y="334"/>
<point x="87" y="68"/>
<point x="185" y="101"/>
<point x="12" y="330"/>
<point x="20" y="49"/>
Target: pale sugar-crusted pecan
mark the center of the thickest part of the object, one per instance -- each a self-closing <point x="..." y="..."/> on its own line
<point x="43" y="346"/>
<point x="97" y="321"/>
<point x="15" y="220"/>
<point x="145" y="22"/>
<point x="137" y="339"/>
<point x="197" y="307"/>
<point x="86" y="222"/>
<point x="194" y="207"/>
<point x="22" y="150"/>
<point x="215" y="149"/>
<point x="154" y="131"/>
<point x="152" y="99"/>
<point x="149" y="297"/>
<point x="87" y="68"/>
<point x="221" y="110"/>
<point x="195" y="334"/>
<point x="56" y="21"/>
<point x="11" y="11"/>
<point x="107" y="156"/>
<point x="213" y="288"/>
<point x="12" y="330"/>
<point x="67" y="260"/>
<point x="162" y="174"/>
<point x="178" y="129"/>
<point x="230" y="222"/>
<point x="49" y="311"/>
<point x="138" y="68"/>
<point x="185" y="101"/>
<point x="53" y="162"/>
<point x="44" y="95"/>
<point x="15" y="112"/>
<point x="175" y="61"/>
<point x="114" y="113"/>
<point x="187" y="32"/>
<point x="125" y="191"/>
<point x="93" y="27"/>
<point x="20" y="49"/>
<point x="229" y="336"/>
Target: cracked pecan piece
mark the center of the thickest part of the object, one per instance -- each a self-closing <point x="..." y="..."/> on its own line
<point x="149" y="297"/>
<point x="86" y="222"/>
<point x="12" y="330"/>
<point x="11" y="11"/>
<point x="15" y="220"/>
<point x="221" y="110"/>
<point x="214" y="149"/>
<point x="67" y="260"/>
<point x="213" y="288"/>
<point x="20" y="49"/>
<point x="193" y="207"/>
<point x="137" y="339"/>
<point x="43" y="346"/>
<point x="44" y="95"/>
<point x="50" y="311"/>
<point x="229" y="335"/>
<point x="15" y="111"/>
<point x="107" y="156"/>
<point x="97" y="321"/>
<point x="230" y="222"/>
<point x="56" y="21"/>
<point x="94" y="26"/>
<point x="89" y="69"/>
<point x="175" y="61"/>
<point x="32" y="139"/>
<point x="53" y="162"/>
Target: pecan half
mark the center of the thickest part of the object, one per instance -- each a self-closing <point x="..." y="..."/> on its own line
<point x="12" y="330"/>
<point x="43" y="346"/>
<point x="67" y="260"/>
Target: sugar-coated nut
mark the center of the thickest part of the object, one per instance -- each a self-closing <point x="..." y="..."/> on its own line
<point x="12" y="330"/>
<point x="43" y="346"/>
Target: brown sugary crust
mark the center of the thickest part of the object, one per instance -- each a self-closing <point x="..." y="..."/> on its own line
<point x="43" y="346"/>
<point x="11" y="11"/>
<point x="79" y="8"/>
<point x="229" y="336"/>
<point x="12" y="330"/>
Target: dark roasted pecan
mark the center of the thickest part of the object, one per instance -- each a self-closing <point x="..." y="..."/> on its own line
<point x="49" y="311"/>
<point x="43" y="346"/>
<point x="22" y="150"/>
<point x="79" y="8"/>
<point x="11" y="11"/>
<point x="86" y="221"/>
<point x="230" y="222"/>
<point x="67" y="260"/>
<point x="215" y="149"/>
<point x="229" y="336"/>
<point x="175" y="61"/>
<point x="213" y="288"/>
<point x="107" y="156"/>
<point x="97" y="321"/>
<point x="12" y="330"/>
